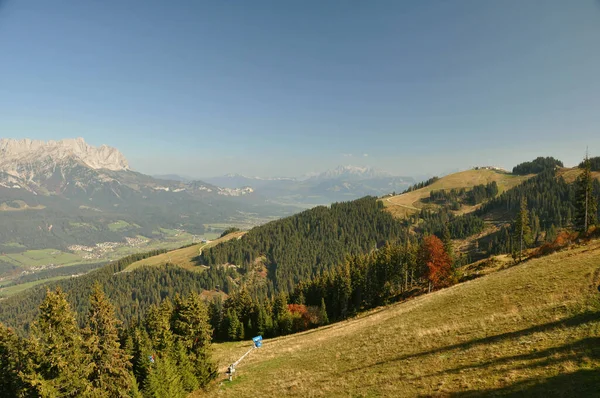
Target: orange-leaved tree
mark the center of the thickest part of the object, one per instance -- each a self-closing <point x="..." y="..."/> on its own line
<point x="435" y="262"/>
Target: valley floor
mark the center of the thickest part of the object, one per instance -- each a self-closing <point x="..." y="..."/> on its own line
<point x="532" y="329"/>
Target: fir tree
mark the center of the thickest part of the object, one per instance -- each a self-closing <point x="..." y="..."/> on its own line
<point x="522" y="230"/>
<point x="586" y="202"/>
<point x="158" y="324"/>
<point x="192" y="328"/>
<point x="110" y="373"/>
<point x="13" y="359"/>
<point x="61" y="366"/>
<point x="323" y="318"/>
<point x="163" y="380"/>
<point x="233" y="324"/>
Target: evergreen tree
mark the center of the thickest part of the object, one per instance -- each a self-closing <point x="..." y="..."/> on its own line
<point x="323" y="318"/>
<point x="158" y="324"/>
<point x="13" y="360"/>
<point x="185" y="367"/>
<point x="447" y="239"/>
<point x="586" y="202"/>
<point x="233" y="324"/>
<point x="163" y="380"/>
<point x="522" y="229"/>
<point x="61" y="367"/>
<point x="110" y="373"/>
<point x="192" y="328"/>
<point x="142" y="352"/>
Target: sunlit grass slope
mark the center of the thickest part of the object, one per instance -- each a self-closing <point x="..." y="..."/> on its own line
<point x="410" y="202"/>
<point x="182" y="257"/>
<point x="529" y="330"/>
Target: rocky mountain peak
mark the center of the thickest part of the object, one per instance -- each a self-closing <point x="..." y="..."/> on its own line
<point x="14" y="152"/>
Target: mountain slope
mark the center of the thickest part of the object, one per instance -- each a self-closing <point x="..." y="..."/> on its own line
<point x="72" y="197"/>
<point x="532" y="329"/>
<point x="411" y="202"/>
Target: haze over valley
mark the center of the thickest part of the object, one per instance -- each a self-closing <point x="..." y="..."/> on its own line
<point x="307" y="199"/>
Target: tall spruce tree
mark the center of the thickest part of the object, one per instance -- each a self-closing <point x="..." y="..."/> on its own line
<point x="111" y="369"/>
<point x="522" y="229"/>
<point x="192" y="329"/>
<point x="61" y="367"/>
<point x="586" y="202"/>
<point x="163" y="379"/>
<point x="13" y="360"/>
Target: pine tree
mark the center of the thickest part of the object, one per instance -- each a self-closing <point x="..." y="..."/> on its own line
<point x="13" y="360"/>
<point x="447" y="239"/>
<point x="110" y="374"/>
<point x="586" y="202"/>
<point x="185" y="367"/>
<point x="522" y="230"/>
<point x="142" y="352"/>
<point x="233" y="324"/>
<point x="163" y="380"/>
<point x="61" y="366"/>
<point x="192" y="329"/>
<point x="158" y="324"/>
<point x="323" y="318"/>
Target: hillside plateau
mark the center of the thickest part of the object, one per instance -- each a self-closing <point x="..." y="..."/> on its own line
<point x="414" y="201"/>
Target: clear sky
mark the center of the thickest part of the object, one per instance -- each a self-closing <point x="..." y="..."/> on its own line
<point x="286" y="87"/>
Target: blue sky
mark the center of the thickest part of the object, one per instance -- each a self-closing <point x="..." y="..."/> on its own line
<point x="286" y="87"/>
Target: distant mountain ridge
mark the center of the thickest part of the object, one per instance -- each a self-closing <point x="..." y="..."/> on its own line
<point x="15" y="153"/>
<point x="338" y="184"/>
<point x="60" y="194"/>
<point x="351" y="172"/>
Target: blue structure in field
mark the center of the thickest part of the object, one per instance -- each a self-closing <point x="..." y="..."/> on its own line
<point x="257" y="344"/>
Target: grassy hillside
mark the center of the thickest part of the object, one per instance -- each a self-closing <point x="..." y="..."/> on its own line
<point x="571" y="174"/>
<point x="183" y="257"/>
<point x="410" y="202"/>
<point x="531" y="329"/>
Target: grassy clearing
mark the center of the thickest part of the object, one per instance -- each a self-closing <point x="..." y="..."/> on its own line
<point x="182" y="257"/>
<point x="14" y="289"/>
<point x="38" y="258"/>
<point x="570" y="175"/>
<point x="529" y="330"/>
<point x="118" y="225"/>
<point x="19" y="205"/>
<point x="408" y="203"/>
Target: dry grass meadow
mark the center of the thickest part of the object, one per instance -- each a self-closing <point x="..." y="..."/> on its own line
<point x="408" y="203"/>
<point x="529" y="330"/>
<point x="184" y="257"/>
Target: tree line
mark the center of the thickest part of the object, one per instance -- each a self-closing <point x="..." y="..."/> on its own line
<point x="361" y="282"/>
<point x="536" y="166"/>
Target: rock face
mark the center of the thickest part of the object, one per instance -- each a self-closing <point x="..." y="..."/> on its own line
<point x="15" y="153"/>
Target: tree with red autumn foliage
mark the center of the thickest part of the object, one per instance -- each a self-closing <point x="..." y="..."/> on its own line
<point x="435" y="262"/>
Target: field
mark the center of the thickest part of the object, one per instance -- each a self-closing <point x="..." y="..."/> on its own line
<point x="14" y="289"/>
<point x="182" y="257"/>
<point x="118" y="225"/>
<point x="570" y="175"/>
<point x="410" y="202"/>
<point x="529" y="330"/>
<point x="36" y="260"/>
<point x="39" y="258"/>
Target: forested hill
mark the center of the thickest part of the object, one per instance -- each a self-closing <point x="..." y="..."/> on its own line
<point x="132" y="293"/>
<point x="299" y="247"/>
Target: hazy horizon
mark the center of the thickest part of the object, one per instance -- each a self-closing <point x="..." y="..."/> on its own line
<point x="282" y="89"/>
